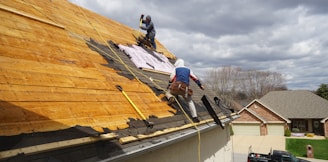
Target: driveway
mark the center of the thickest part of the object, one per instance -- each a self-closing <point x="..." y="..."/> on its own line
<point x="260" y="144"/>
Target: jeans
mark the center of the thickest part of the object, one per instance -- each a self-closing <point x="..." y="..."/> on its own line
<point x="151" y="36"/>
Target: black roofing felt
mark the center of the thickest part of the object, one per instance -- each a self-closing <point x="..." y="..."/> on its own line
<point x="107" y="149"/>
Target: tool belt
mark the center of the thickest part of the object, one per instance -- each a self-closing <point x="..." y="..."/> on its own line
<point x="180" y="88"/>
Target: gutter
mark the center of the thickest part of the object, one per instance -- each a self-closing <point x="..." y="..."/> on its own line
<point x="143" y="148"/>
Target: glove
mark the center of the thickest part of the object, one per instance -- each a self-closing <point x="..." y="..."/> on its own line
<point x="168" y="86"/>
<point x="142" y="16"/>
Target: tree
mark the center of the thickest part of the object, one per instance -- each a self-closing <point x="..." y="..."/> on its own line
<point x="223" y="81"/>
<point x="256" y="84"/>
<point x="322" y="91"/>
<point x="230" y="82"/>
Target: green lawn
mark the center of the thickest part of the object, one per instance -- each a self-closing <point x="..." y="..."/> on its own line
<point x="298" y="147"/>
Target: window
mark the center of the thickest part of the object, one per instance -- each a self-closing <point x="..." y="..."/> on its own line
<point x="300" y="124"/>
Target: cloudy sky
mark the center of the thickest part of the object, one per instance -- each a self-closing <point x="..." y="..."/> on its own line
<point x="285" y="36"/>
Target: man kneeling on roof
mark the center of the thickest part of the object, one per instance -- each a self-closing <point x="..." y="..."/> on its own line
<point x="179" y="85"/>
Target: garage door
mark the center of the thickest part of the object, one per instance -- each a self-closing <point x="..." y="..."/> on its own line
<point x="276" y="129"/>
<point x="246" y="129"/>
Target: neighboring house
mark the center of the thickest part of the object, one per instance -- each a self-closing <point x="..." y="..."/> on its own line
<point x="296" y="109"/>
<point x="60" y="71"/>
<point x="259" y="119"/>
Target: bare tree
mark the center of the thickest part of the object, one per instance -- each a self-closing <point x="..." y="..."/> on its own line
<point x="223" y="81"/>
<point x="256" y="84"/>
<point x="229" y="82"/>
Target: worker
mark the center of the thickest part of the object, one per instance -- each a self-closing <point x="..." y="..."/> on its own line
<point x="179" y="85"/>
<point x="150" y="28"/>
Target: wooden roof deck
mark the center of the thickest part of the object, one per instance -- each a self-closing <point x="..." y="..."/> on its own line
<point x="51" y="80"/>
<point x="58" y="75"/>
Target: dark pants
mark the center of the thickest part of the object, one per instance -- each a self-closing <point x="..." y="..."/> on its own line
<point x="151" y="37"/>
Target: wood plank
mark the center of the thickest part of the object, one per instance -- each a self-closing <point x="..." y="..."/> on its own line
<point x="29" y="79"/>
<point x="112" y="121"/>
<point x="55" y="145"/>
<point x="6" y="31"/>
<point x="13" y="10"/>
<point x="11" y="113"/>
<point x="41" y="111"/>
<point x="55" y="97"/>
<point x="10" y="129"/>
<point x="56" y="39"/>
<point x="14" y="128"/>
<point x="30" y="88"/>
<point x="23" y="6"/>
<point x="2" y="78"/>
<point x="51" y="80"/>
<point x="32" y="66"/>
<point x="18" y="127"/>
<point x="54" y="80"/>
<point x="47" y="54"/>
<point x="42" y="94"/>
<point x="30" y="92"/>
<point x="74" y="114"/>
<point x="110" y="27"/>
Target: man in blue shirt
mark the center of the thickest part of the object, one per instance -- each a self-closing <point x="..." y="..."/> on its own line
<point x="179" y="85"/>
<point x="150" y="28"/>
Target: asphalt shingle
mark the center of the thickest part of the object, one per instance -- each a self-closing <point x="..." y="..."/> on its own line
<point x="296" y="104"/>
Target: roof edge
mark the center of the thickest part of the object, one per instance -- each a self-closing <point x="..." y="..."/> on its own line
<point x="165" y="141"/>
<point x="324" y="120"/>
<point x="267" y="107"/>
<point x="253" y="113"/>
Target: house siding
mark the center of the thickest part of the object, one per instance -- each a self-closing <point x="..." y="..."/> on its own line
<point x="248" y="118"/>
<point x="215" y="146"/>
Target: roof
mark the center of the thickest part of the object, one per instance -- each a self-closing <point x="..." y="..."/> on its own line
<point x="262" y="117"/>
<point x="60" y="71"/>
<point x="296" y="104"/>
<point x="268" y="108"/>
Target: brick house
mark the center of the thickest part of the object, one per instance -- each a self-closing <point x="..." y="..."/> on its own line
<point x="258" y="119"/>
<point x="285" y="109"/>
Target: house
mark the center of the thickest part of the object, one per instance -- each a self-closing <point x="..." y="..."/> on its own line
<point x="72" y="90"/>
<point x="259" y="119"/>
<point x="279" y="110"/>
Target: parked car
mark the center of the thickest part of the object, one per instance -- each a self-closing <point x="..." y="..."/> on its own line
<point x="273" y="156"/>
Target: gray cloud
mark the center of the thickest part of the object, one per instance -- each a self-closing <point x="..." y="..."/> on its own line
<point x="288" y="37"/>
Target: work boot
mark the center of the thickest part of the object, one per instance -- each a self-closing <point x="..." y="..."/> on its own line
<point x="195" y="120"/>
<point x="171" y="100"/>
